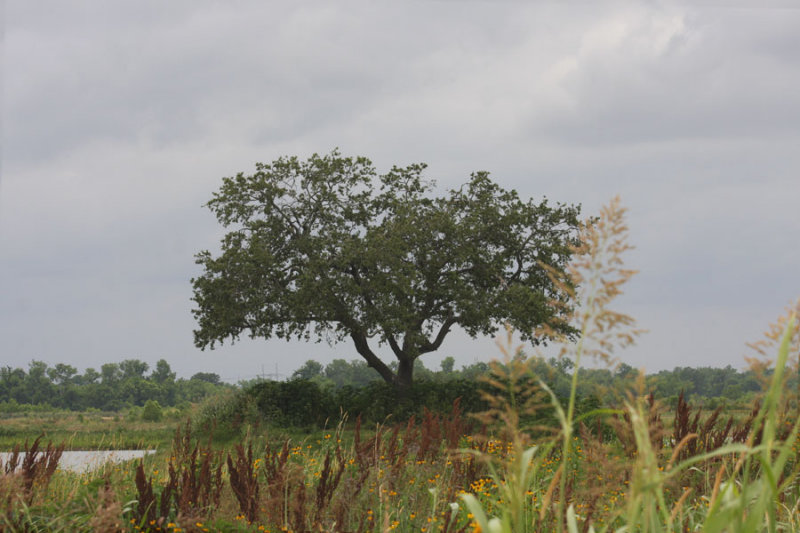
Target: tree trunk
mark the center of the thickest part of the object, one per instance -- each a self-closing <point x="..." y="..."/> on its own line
<point x="405" y="373"/>
<point x="404" y="377"/>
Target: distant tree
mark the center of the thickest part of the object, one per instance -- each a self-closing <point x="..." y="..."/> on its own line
<point x="327" y="247"/>
<point x="309" y="370"/>
<point x="90" y="375"/>
<point x="164" y="378"/>
<point x="447" y="364"/>
<point x="12" y="384"/>
<point x="355" y="373"/>
<point x="61" y="373"/>
<point x="137" y="390"/>
<point x="625" y="371"/>
<point x="163" y="374"/>
<point x="208" y="377"/>
<point x="563" y="364"/>
<point x="133" y="368"/>
<point x="38" y="387"/>
<point x="110" y="373"/>
<point x="194" y="390"/>
<point x="474" y="370"/>
<point x="421" y="372"/>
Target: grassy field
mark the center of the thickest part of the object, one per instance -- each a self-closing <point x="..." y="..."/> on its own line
<point x="414" y="477"/>
<point x="86" y="431"/>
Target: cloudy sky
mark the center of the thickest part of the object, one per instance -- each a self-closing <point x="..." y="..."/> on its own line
<point x="120" y="118"/>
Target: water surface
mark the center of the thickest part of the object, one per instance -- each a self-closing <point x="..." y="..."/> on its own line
<point x="83" y="461"/>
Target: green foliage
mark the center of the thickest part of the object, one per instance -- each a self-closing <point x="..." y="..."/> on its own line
<point x="163" y="374"/>
<point x="151" y="412"/>
<point x="328" y="247"/>
<point x="309" y="370"/>
<point x="208" y="377"/>
<point x="227" y="414"/>
<point x="447" y="364"/>
<point x="307" y="404"/>
<point x="117" y="387"/>
<point x="705" y="382"/>
<point x="111" y="391"/>
<point x="295" y="403"/>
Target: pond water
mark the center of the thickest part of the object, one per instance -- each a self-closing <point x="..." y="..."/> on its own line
<point x="83" y="461"/>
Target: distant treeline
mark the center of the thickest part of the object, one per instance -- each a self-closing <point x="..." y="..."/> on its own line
<point x="703" y="383"/>
<point x="317" y="395"/>
<point x="115" y="387"/>
<point x="131" y="383"/>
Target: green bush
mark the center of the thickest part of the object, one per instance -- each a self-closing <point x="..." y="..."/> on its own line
<point x="304" y="403"/>
<point x="152" y="411"/>
<point x="226" y="414"/>
<point x="293" y="403"/>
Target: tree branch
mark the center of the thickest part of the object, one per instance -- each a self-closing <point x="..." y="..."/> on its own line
<point x="398" y="352"/>
<point x="443" y="331"/>
<point x="362" y="347"/>
<point x="353" y="271"/>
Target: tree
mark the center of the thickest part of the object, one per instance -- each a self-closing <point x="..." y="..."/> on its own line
<point x="39" y="388"/>
<point x="208" y="377"/>
<point x="12" y="384"/>
<point x="309" y="370"/>
<point x="447" y="364"/>
<point x="61" y="374"/>
<point x="163" y="374"/>
<point x="133" y="368"/>
<point x="164" y="377"/>
<point x="328" y="248"/>
<point x="110" y="374"/>
<point x="355" y="373"/>
<point x="90" y="376"/>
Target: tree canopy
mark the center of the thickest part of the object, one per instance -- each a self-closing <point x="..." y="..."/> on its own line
<point x="328" y="248"/>
<point x="120" y="386"/>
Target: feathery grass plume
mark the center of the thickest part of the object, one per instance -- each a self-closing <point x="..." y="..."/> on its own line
<point x="622" y="425"/>
<point x="774" y="334"/>
<point x="593" y="279"/>
<point x="764" y="349"/>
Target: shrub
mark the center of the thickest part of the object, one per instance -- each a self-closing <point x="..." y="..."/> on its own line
<point x="152" y="411"/>
<point x="296" y="403"/>
<point x="227" y="413"/>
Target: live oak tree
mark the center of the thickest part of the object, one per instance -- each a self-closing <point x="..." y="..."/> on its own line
<point x="328" y="248"/>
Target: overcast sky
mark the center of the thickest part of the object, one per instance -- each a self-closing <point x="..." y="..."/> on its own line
<point x="120" y="118"/>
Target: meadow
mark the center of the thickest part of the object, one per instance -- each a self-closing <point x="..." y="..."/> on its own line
<point x="87" y="431"/>
<point x="635" y="464"/>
